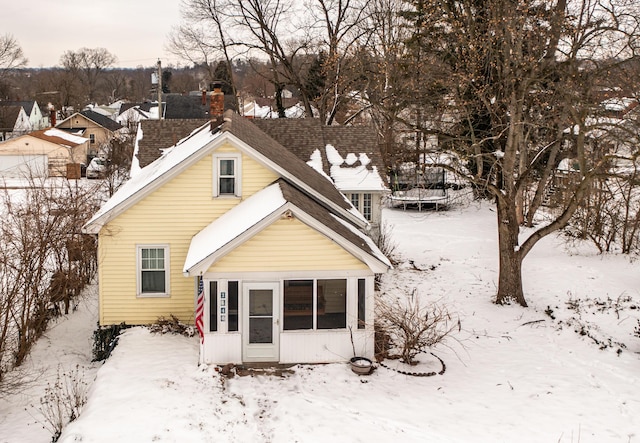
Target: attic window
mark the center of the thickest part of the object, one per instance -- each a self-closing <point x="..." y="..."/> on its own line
<point x="226" y="175"/>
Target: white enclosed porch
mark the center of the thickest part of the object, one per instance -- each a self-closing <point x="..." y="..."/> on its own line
<point x="297" y="318"/>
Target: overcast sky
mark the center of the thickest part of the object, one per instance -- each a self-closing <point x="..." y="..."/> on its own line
<point x="135" y="31"/>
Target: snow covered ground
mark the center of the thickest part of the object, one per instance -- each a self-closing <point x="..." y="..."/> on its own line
<point x="512" y="374"/>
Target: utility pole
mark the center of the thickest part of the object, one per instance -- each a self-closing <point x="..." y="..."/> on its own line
<point x="159" y="90"/>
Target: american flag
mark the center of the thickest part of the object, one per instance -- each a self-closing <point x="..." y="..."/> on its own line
<point x="200" y="310"/>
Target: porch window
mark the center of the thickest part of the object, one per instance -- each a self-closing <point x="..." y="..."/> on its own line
<point x="153" y="266"/>
<point x="332" y="304"/>
<point x="361" y="303"/>
<point x="233" y="306"/>
<point x="298" y="304"/>
<point x="213" y="306"/>
<point x="319" y="304"/>
<point x="226" y="173"/>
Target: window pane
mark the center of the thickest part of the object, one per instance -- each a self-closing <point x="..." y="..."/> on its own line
<point x="213" y="306"/>
<point x="226" y="167"/>
<point x="233" y="306"/>
<point x="261" y="330"/>
<point x="298" y="304"/>
<point x="361" y="303"/>
<point x="153" y="281"/>
<point x="260" y="302"/>
<point x="366" y="206"/>
<point x="332" y="304"/>
<point x="355" y="201"/>
<point x="227" y="185"/>
<point x="153" y="258"/>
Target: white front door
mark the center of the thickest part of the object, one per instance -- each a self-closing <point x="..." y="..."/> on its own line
<point x="260" y="325"/>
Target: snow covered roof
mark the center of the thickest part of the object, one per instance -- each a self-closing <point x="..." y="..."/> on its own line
<point x="265" y="207"/>
<point x="156" y="135"/>
<point x="349" y="176"/>
<point x="349" y="155"/>
<point x="59" y="137"/>
<point x="202" y="141"/>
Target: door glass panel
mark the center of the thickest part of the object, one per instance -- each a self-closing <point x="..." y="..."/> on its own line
<point x="260" y="330"/>
<point x="260" y="316"/>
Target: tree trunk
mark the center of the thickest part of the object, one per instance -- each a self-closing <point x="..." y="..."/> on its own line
<point x="510" y="272"/>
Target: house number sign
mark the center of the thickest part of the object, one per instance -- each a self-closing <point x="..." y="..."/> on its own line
<point x="223" y="309"/>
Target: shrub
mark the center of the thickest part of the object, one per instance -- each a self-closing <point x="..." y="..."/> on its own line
<point x="105" y="339"/>
<point x="172" y="325"/>
<point x="63" y="400"/>
<point x="413" y="328"/>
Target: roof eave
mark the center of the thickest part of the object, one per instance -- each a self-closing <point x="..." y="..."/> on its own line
<point x="355" y="219"/>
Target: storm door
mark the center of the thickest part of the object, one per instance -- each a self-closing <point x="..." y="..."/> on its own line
<point x="260" y="332"/>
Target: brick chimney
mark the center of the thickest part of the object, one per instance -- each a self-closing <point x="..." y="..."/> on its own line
<point x="216" y="106"/>
<point x="52" y="116"/>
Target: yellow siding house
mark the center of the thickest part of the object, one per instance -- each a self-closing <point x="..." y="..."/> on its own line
<point x="278" y="253"/>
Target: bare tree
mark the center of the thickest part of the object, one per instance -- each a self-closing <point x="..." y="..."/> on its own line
<point x="11" y="55"/>
<point x="88" y="65"/>
<point x="199" y="43"/>
<point x="526" y="84"/>
<point x="342" y="26"/>
<point x="44" y="261"/>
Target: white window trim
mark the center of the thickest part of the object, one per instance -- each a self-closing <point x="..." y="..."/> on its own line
<point x="361" y="203"/>
<point x="237" y="172"/>
<point x="167" y="271"/>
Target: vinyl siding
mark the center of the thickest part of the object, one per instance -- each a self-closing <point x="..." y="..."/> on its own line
<point x="288" y="245"/>
<point x="171" y="215"/>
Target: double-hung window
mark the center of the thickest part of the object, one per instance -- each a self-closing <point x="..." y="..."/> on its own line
<point x="226" y="175"/>
<point x="153" y="270"/>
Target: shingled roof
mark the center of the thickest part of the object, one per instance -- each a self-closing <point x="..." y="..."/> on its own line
<point x="102" y="120"/>
<point x="27" y="105"/>
<point x="249" y="133"/>
<point x="304" y="137"/>
<point x="8" y="117"/>
<point x="161" y="134"/>
<point x="192" y="148"/>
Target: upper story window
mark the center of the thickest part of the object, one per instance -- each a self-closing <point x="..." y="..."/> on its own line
<point x="153" y="270"/>
<point x="92" y="138"/>
<point x="363" y="203"/>
<point x="226" y="175"/>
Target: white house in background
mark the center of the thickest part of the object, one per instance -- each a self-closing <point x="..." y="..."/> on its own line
<point x="37" y="119"/>
<point x="43" y="153"/>
<point x="14" y="122"/>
